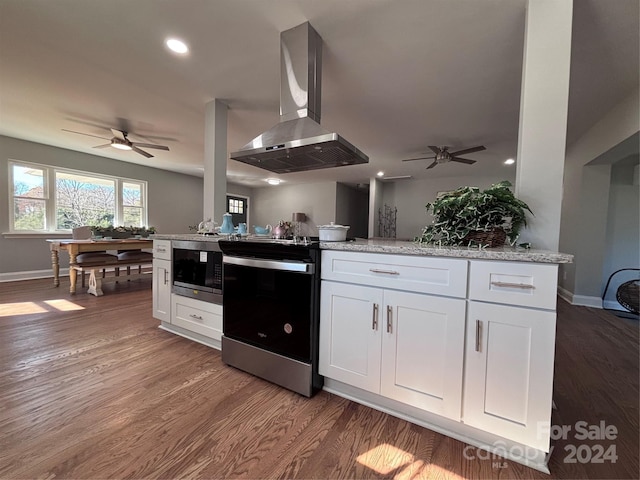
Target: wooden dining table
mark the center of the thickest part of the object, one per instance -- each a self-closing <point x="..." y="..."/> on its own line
<point x="75" y="247"/>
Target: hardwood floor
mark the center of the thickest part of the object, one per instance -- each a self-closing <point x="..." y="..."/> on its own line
<point x="91" y="388"/>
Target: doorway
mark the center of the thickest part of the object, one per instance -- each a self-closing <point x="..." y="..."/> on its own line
<point x="238" y="207"/>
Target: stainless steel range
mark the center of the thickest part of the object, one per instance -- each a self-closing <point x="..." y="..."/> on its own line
<point x="271" y="310"/>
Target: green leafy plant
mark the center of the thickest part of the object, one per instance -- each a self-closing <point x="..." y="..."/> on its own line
<point x="122" y="232"/>
<point x="461" y="213"/>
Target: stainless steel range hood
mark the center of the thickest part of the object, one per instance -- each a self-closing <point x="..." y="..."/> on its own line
<point x="298" y="143"/>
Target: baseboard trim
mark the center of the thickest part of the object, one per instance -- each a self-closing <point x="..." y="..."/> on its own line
<point x="31" y="275"/>
<point x="579" y="300"/>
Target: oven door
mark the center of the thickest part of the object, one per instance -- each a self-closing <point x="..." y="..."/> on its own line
<point x="269" y="304"/>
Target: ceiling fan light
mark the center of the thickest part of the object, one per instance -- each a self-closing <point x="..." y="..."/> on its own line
<point x="119" y="144"/>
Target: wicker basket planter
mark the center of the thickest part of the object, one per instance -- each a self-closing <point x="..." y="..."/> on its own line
<point x="495" y="238"/>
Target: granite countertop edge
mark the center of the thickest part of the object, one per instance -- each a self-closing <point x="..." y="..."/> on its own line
<point x="413" y="248"/>
<point x="400" y="247"/>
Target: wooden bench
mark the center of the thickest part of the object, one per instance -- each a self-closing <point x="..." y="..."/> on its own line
<point x="98" y="270"/>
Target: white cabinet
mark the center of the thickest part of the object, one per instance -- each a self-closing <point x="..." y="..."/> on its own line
<point x="162" y="249"/>
<point x="350" y="348"/>
<point x="402" y="345"/>
<point x="423" y="351"/>
<point x="203" y="318"/>
<point x="510" y="350"/>
<point x="161" y="287"/>
<point x="509" y="372"/>
<point x="470" y="340"/>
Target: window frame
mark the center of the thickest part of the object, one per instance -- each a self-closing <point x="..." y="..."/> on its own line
<point x="50" y="196"/>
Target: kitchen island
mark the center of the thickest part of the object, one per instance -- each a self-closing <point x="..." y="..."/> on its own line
<point x="458" y="340"/>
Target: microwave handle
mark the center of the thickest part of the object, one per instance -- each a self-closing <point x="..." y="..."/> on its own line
<point x="297" y="267"/>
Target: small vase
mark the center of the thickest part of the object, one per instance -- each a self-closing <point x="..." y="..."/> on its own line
<point x="227" y="224"/>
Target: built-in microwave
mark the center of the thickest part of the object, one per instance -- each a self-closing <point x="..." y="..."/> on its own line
<point x="197" y="270"/>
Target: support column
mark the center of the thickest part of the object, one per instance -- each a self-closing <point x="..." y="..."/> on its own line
<point x="543" y="117"/>
<point x="215" y="161"/>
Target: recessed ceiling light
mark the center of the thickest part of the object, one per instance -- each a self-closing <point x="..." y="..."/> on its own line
<point x="509" y="161"/>
<point x="380" y="173"/>
<point x="177" y="46"/>
<point x="273" y="181"/>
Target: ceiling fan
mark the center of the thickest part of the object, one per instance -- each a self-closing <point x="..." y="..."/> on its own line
<point x="443" y="155"/>
<point x="121" y="142"/>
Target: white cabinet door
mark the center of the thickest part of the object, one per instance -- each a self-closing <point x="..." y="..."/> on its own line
<point x="350" y="322"/>
<point x="422" y="351"/>
<point x="509" y="372"/>
<point x="161" y="289"/>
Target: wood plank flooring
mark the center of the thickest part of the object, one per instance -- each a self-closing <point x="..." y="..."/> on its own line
<point x="91" y="388"/>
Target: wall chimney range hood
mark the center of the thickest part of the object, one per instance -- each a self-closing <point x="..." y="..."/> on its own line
<point x="298" y="143"/>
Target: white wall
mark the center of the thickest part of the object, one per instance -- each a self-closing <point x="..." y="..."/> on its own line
<point x="581" y="234"/>
<point x="175" y="200"/>
<point x="411" y="196"/>
<point x="274" y="203"/>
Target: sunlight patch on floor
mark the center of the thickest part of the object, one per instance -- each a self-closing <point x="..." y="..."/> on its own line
<point x="63" y="305"/>
<point x="386" y="459"/>
<point x="30" y="308"/>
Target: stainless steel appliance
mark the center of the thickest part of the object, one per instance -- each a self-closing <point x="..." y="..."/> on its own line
<point x="271" y="311"/>
<point x="197" y="270"/>
<point x="298" y="143"/>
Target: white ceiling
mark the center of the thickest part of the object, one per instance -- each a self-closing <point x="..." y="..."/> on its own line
<point x="398" y="75"/>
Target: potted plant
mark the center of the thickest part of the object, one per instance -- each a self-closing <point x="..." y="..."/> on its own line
<point x="467" y="217"/>
<point x="122" y="232"/>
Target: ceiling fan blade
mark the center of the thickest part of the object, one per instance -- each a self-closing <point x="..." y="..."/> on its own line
<point x="419" y="158"/>
<point x="141" y="152"/>
<point x="462" y="160"/>
<point x="119" y="134"/>
<point x="479" y="148"/>
<point x="432" y="165"/>
<point x="150" y="145"/>
<point x="103" y="146"/>
<point x="434" y="149"/>
<point x="87" y="134"/>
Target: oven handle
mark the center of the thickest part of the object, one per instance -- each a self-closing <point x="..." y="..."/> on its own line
<point x="299" y="267"/>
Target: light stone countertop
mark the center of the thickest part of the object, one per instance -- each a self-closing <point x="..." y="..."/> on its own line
<point x="186" y="236"/>
<point x="399" y="247"/>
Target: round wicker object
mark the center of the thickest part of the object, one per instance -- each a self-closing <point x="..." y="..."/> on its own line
<point x="628" y="295"/>
<point x="495" y="238"/>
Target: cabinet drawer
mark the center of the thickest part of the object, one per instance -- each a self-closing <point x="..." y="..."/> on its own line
<point x="440" y="276"/>
<point x="524" y="284"/>
<point x="199" y="317"/>
<point x="162" y="249"/>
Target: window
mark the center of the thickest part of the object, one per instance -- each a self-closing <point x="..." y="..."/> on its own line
<point x="55" y="199"/>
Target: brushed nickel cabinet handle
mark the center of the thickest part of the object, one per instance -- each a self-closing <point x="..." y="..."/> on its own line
<point x="478" y="334"/>
<point x="387" y="272"/>
<point x="197" y="317"/>
<point x="524" y="286"/>
<point x="374" y="322"/>
<point x="389" y="312"/>
<point x="166" y="280"/>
